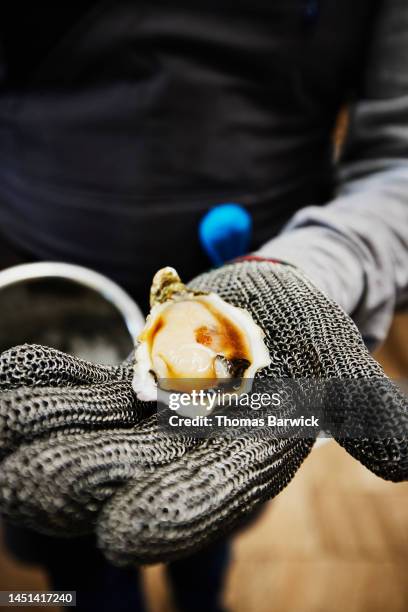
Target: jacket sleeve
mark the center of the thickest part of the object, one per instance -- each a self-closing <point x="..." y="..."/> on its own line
<point x="355" y="248"/>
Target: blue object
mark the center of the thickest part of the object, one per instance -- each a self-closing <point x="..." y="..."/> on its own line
<point x="311" y="11"/>
<point x="225" y="232"/>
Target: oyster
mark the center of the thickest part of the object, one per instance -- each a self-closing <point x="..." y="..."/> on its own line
<point x="194" y="341"/>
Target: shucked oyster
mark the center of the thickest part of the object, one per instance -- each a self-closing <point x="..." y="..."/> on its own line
<point x="194" y="340"/>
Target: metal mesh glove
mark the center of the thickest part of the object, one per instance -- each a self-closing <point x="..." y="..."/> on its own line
<point x="81" y="456"/>
<point x="71" y="433"/>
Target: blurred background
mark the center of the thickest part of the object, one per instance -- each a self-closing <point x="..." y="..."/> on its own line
<point x="336" y="539"/>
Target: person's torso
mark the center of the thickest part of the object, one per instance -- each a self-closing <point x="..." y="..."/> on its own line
<point x="143" y="115"/>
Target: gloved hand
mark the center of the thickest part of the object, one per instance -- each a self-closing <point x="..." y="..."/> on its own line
<point x="81" y="453"/>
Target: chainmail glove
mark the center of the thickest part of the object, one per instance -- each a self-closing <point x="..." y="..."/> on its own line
<point x="81" y="453"/>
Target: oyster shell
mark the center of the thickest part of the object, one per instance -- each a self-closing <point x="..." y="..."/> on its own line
<point x="194" y="341"/>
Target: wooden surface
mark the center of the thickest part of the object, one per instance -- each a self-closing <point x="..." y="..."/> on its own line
<point x="336" y="540"/>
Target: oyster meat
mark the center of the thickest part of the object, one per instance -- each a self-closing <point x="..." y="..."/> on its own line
<point x="194" y="340"/>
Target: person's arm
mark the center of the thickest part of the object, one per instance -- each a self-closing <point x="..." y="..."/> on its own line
<point x="356" y="247"/>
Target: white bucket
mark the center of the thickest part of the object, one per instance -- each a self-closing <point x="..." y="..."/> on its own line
<point x="68" y="307"/>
